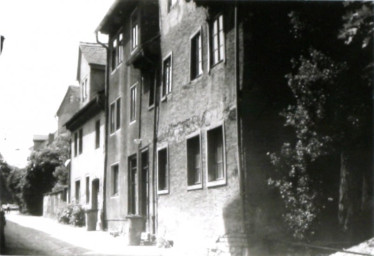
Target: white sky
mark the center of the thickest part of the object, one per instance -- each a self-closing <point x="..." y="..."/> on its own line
<point x="38" y="63"/>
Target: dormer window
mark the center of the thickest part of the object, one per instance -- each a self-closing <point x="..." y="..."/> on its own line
<point x="134" y="30"/>
<point x="84" y="90"/>
<point x="117" y="50"/>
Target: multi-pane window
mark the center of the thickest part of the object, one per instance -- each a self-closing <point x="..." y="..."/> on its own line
<point x="84" y="90"/>
<point x="115" y="115"/>
<point x="171" y="4"/>
<point x="80" y="135"/>
<point x="196" y="56"/>
<point x="117" y="50"/>
<point x="216" y="168"/>
<point x="115" y="184"/>
<point x="75" y="144"/>
<point x="133" y="185"/>
<point x="162" y="168"/>
<point x="167" y="77"/>
<point x="133" y="103"/>
<point x="87" y="190"/>
<point x="134" y="31"/>
<point x="97" y="134"/>
<point x="217" y="40"/>
<point x="77" y="190"/>
<point x="193" y="161"/>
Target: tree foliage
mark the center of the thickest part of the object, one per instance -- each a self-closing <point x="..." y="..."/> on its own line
<point x="331" y="115"/>
<point x="45" y="171"/>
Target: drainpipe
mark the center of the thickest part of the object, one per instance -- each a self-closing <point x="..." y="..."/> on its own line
<point x="242" y="176"/>
<point x="155" y="131"/>
<point x="106" y="95"/>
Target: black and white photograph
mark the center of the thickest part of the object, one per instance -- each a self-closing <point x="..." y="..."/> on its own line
<point x="187" y="127"/>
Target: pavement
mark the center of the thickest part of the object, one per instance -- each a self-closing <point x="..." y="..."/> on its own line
<point x="95" y="242"/>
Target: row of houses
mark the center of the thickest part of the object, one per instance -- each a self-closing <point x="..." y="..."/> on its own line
<point x="160" y="134"/>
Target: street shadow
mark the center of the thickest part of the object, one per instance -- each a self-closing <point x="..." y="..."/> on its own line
<point x="21" y="240"/>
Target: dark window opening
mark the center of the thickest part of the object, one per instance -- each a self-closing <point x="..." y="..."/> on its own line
<point x="215" y="155"/>
<point x="196" y="56"/>
<point x="133" y="185"/>
<point x="77" y="190"/>
<point x="97" y="134"/>
<point x="162" y="170"/>
<point x="193" y="161"/>
<point x="115" y="180"/>
<point x="87" y="190"/>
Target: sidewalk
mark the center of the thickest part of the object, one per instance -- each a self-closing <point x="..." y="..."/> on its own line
<point x="97" y="242"/>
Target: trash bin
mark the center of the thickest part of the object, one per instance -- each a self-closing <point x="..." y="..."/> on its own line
<point x="91" y="219"/>
<point x="135" y="229"/>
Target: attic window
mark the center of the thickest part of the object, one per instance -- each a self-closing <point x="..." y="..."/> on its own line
<point x="134" y="30"/>
<point x="117" y="50"/>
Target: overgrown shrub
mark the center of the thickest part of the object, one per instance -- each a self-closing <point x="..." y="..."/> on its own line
<point x="73" y="214"/>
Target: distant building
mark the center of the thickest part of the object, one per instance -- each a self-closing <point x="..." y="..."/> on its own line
<point x="68" y="107"/>
<point x="87" y="129"/>
<point x="41" y="141"/>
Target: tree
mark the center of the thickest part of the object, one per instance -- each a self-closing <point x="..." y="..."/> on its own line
<point x="331" y="116"/>
<point x="5" y="193"/>
<point x="44" y="172"/>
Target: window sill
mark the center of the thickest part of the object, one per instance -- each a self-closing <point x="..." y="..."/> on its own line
<point x="162" y="192"/>
<point x="151" y="107"/>
<point x="132" y="122"/>
<point x="217" y="64"/>
<point x="114" y="133"/>
<point x="196" y="78"/>
<point x="115" y="69"/>
<point x="195" y="187"/>
<point x="216" y="183"/>
<point x="114" y="196"/>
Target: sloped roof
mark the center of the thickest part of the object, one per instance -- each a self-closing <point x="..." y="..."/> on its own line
<point x="93" y="53"/>
<point x="72" y="90"/>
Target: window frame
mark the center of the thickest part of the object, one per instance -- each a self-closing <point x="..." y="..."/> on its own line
<point x="84" y="89"/>
<point x="75" y="144"/>
<point x="222" y="181"/>
<point x="152" y="94"/>
<point x="133" y="103"/>
<point x="113" y="192"/>
<point x="87" y="189"/>
<point x="80" y="141"/>
<point x="133" y="197"/>
<point x="97" y="133"/>
<point x="117" y="50"/>
<point x="197" y="185"/>
<point x="167" y="171"/>
<point x="137" y="25"/>
<point x="220" y="32"/>
<point x="77" y="194"/>
<point x="168" y="88"/>
<point x="200" y="64"/>
<point x="115" y="116"/>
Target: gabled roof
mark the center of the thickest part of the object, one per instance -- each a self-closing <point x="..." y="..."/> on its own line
<point x="92" y="108"/>
<point x="72" y="90"/>
<point x="113" y="18"/>
<point x="95" y="54"/>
